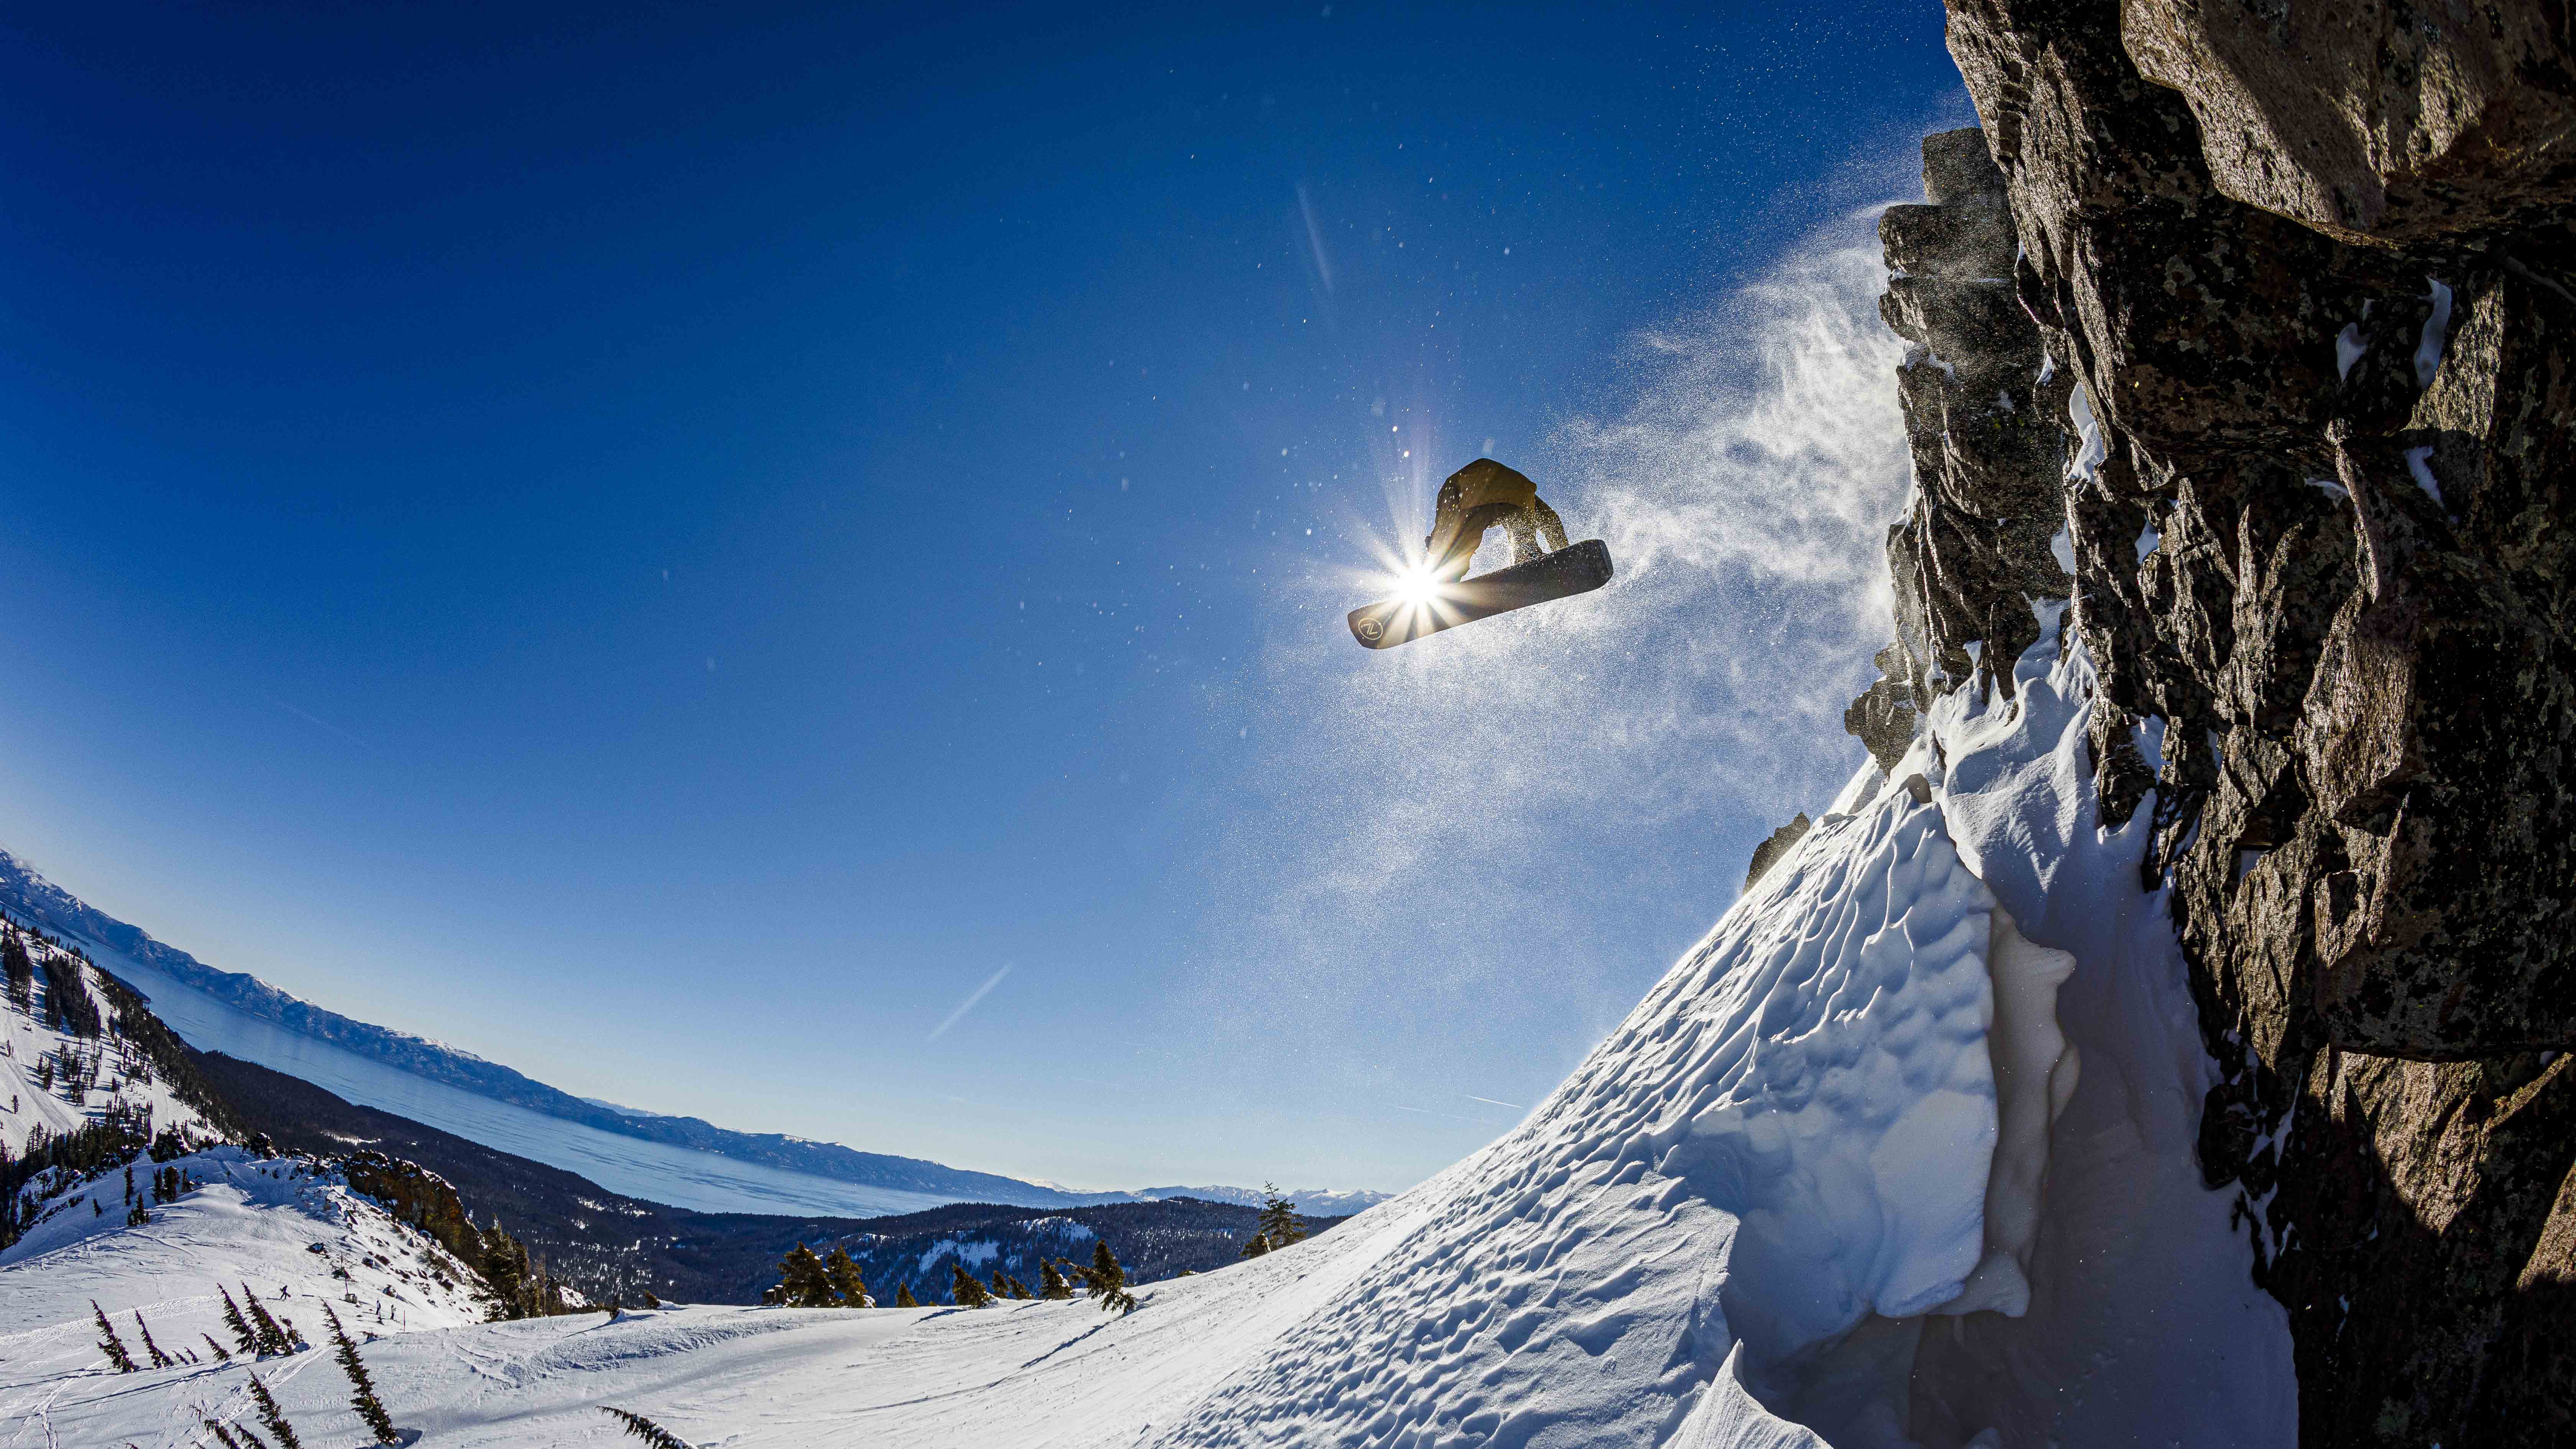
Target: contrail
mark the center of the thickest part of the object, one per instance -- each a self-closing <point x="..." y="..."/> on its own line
<point x="1427" y="1112"/>
<point x="313" y="719"/>
<point x="968" y="1004"/>
<point x="1315" y="237"/>
<point x="1490" y="1102"/>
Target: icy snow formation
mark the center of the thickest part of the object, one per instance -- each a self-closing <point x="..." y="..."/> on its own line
<point x="1753" y="1203"/>
<point x="1837" y="1180"/>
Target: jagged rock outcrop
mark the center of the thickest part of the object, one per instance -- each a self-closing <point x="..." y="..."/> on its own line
<point x="1980" y="413"/>
<point x="1768" y="853"/>
<point x="419" y="1197"/>
<point x="2304" y="281"/>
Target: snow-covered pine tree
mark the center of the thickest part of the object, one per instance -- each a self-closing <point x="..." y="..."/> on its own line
<point x="362" y="1395"/>
<point x="273" y="1416"/>
<point x="1052" y="1284"/>
<point x="1280" y="1223"/>
<point x="238" y="1326"/>
<point x="903" y="1296"/>
<point x="645" y="1429"/>
<point x="109" y="1343"/>
<point x="224" y="1435"/>
<point x="151" y="1350"/>
<point x="964" y="1289"/>
<point x="848" y="1288"/>
<point x="220" y="1355"/>
<point x="803" y="1282"/>
<point x="273" y="1340"/>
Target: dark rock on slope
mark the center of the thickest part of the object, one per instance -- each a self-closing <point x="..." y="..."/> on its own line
<point x="2303" y="280"/>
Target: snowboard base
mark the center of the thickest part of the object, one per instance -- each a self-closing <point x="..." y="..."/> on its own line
<point x="1575" y="569"/>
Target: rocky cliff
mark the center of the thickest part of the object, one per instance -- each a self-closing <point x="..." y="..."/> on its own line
<point x="2253" y="330"/>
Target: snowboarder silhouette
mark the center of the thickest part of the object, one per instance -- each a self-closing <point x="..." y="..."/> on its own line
<point x="1474" y="499"/>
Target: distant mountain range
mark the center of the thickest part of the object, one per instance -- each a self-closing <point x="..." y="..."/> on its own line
<point x="32" y="897"/>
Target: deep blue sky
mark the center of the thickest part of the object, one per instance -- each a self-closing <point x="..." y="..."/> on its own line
<point x="664" y="545"/>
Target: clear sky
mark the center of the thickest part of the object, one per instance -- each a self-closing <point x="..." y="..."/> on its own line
<point x="669" y="545"/>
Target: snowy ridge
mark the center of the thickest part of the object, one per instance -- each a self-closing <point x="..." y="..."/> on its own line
<point x="290" y="1229"/>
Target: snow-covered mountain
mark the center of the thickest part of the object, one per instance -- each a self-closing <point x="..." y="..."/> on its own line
<point x="1319" y="1202"/>
<point x="1900" y="1154"/>
<point x="670" y="1159"/>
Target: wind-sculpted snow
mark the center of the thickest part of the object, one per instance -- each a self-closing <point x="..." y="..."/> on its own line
<point x="1790" y="1134"/>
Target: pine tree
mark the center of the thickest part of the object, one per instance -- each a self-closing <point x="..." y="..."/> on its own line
<point x="273" y="1416"/>
<point x="273" y="1340"/>
<point x="1279" y="1220"/>
<point x="109" y="1343"/>
<point x="21" y="971"/>
<point x="1001" y="1284"/>
<point x="964" y="1289"/>
<point x="1106" y="1281"/>
<point x="505" y="1267"/>
<point x="220" y="1355"/>
<point x="223" y="1436"/>
<point x="848" y="1287"/>
<point x="1051" y="1284"/>
<point x="151" y="1350"/>
<point x="238" y="1326"/>
<point x="1256" y="1245"/>
<point x="903" y="1296"/>
<point x="803" y="1281"/>
<point x="646" y="1430"/>
<point x="362" y="1396"/>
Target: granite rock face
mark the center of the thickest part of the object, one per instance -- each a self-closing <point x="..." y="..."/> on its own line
<point x="2309" y="431"/>
<point x="2373" y="120"/>
<point x="1981" y="415"/>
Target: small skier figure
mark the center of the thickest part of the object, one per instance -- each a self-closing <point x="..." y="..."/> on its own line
<point x="1477" y="497"/>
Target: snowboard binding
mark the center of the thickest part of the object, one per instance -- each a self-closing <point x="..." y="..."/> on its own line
<point x="1475" y="499"/>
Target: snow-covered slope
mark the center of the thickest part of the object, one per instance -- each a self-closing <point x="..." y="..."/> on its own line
<point x="68" y="1058"/>
<point x="1900" y="1154"/>
<point x="291" y="1231"/>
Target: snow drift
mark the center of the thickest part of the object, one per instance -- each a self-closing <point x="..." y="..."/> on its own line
<point x="1838" y="1179"/>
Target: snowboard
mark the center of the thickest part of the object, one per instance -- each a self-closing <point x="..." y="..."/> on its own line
<point x="1575" y="569"/>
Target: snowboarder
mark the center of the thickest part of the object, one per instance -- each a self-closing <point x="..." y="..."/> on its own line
<point x="1441" y="596"/>
<point x="1474" y="499"/>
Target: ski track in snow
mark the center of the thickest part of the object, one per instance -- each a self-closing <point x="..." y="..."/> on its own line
<point x="1736" y="1224"/>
